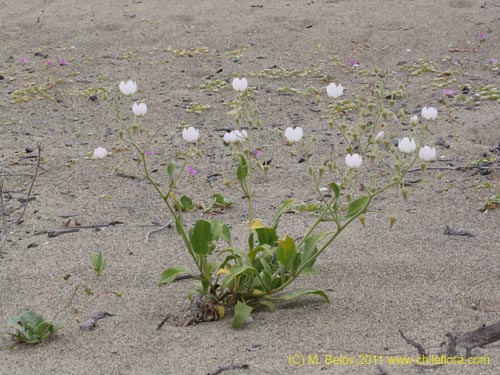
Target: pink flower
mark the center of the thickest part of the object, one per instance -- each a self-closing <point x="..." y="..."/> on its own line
<point x="50" y="63"/>
<point x="257" y="152"/>
<point x="493" y="61"/>
<point x="448" y="92"/>
<point x="192" y="170"/>
<point x="354" y="63"/>
<point x="63" y="62"/>
<point x="23" y="60"/>
<point x="482" y="36"/>
<point x="148" y="153"/>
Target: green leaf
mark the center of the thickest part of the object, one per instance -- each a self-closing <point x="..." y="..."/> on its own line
<point x="335" y="188"/>
<point x="267" y="304"/>
<point x="241" y="314"/>
<point x="357" y="207"/>
<point x="186" y="203"/>
<point x="242" y="169"/>
<point x="307" y="251"/>
<point x="221" y="231"/>
<point x="299" y="293"/>
<point x="171" y="169"/>
<point x="201" y="237"/>
<point x="238" y="270"/>
<point x="286" y="252"/>
<point x="98" y="262"/>
<point x="266" y="236"/>
<point x="285" y="205"/>
<point x="222" y="201"/>
<point x="171" y="273"/>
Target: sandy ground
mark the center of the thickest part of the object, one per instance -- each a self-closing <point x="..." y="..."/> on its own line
<point x="413" y="277"/>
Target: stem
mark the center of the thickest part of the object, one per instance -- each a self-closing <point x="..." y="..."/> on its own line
<point x="344" y="225"/>
<point x="178" y="218"/>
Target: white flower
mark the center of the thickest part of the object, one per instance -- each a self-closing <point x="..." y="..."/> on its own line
<point x="414" y="120"/>
<point x="128" y="88"/>
<point x="334" y="91"/>
<point x="100" y="153"/>
<point x="294" y="135"/>
<point x="407" y="146"/>
<point x="240" y="84"/>
<point x="235" y="136"/>
<point x="190" y="134"/>
<point x="139" y="109"/>
<point x="240" y="134"/>
<point x="429" y="113"/>
<point x="379" y="135"/>
<point x="353" y="161"/>
<point x="426" y="153"/>
<point x="230" y="137"/>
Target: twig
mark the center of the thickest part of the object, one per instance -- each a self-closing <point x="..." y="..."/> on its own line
<point x="146" y="240"/>
<point x="58" y="231"/>
<point x="26" y="201"/>
<point x="417" y="345"/>
<point x="463" y="168"/>
<point x="162" y="323"/>
<point x="91" y="322"/>
<point x="39" y="147"/>
<point x="470" y="340"/>
<point x="229" y="367"/>
<point x="453" y="232"/>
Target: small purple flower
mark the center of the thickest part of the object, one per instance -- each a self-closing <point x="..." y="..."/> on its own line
<point x="448" y="92"/>
<point x="148" y="153"/>
<point x="354" y="63"/>
<point x="256" y="152"/>
<point x="493" y="61"/>
<point x="192" y="170"/>
<point x="50" y="63"/>
<point x="23" y="60"/>
<point x="63" y="62"/>
<point x="482" y="36"/>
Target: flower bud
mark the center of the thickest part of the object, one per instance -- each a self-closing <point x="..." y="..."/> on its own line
<point x="258" y="123"/>
<point x="371" y="106"/>
<point x="227" y="183"/>
<point x="318" y="99"/>
<point x="120" y="133"/>
<point x="423" y="167"/>
<point x="330" y="166"/>
<point x="404" y="191"/>
<point x="391" y="103"/>
<point x="314" y="137"/>
<point x="330" y="123"/>
<point x="321" y="171"/>
<point x="362" y="219"/>
<point x="134" y="129"/>
<point x="363" y="126"/>
<point x="393" y="148"/>
<point x="401" y="113"/>
<point x="348" y="197"/>
<point x="392" y="220"/>
<point x="265" y="168"/>
<point x="343" y="128"/>
<point x="310" y="171"/>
